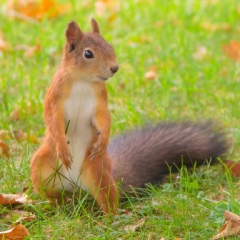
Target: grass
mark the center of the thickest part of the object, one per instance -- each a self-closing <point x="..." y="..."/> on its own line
<point x="166" y="36"/>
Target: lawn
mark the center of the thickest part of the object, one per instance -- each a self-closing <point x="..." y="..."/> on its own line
<point x="182" y="43"/>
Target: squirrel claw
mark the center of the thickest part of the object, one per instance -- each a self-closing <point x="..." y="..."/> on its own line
<point x="65" y="157"/>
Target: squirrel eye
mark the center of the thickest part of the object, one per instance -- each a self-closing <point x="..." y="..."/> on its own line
<point x="88" y="54"/>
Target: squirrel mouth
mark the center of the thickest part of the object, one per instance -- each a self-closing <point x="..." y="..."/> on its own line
<point x="103" y="78"/>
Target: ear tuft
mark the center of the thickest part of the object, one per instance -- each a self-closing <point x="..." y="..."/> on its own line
<point x="73" y="35"/>
<point x="95" y="28"/>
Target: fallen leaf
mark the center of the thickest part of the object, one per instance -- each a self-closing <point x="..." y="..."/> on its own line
<point x="151" y="74"/>
<point x="232" y="50"/>
<point x="212" y="27"/>
<point x="112" y="17"/>
<point x="28" y="218"/>
<point x="4" y="149"/>
<point x="233" y="167"/>
<point x="14" y="199"/>
<point x="19" y="135"/>
<point x="200" y="53"/>
<point x="122" y="85"/>
<point x="127" y="212"/>
<point x="100" y="8"/>
<point x="18" y="233"/>
<point x="19" y="216"/>
<point x="4" y="135"/>
<point x="112" y="6"/>
<point x="37" y="9"/>
<point x="30" y="52"/>
<point x="132" y="228"/>
<point x="174" y="239"/>
<point x="3" y="45"/>
<point x="230" y="228"/>
<point x="14" y="115"/>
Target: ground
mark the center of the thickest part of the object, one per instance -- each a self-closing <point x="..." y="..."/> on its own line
<point x="176" y="63"/>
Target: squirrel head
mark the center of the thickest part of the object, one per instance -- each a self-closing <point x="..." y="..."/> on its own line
<point x="88" y="55"/>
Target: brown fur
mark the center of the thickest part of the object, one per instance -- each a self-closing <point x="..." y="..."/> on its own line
<point x="96" y="168"/>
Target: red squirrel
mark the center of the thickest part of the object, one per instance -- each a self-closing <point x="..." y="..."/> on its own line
<point x="75" y="151"/>
<point x="77" y="121"/>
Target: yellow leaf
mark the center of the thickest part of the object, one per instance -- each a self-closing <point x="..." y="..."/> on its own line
<point x="5" y="135"/>
<point x="38" y="9"/>
<point x="232" y="49"/>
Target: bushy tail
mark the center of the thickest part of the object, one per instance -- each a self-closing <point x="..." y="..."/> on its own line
<point x="144" y="155"/>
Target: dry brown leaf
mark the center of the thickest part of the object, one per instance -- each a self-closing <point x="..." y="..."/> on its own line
<point x="127" y="212"/>
<point x="151" y="74"/>
<point x="231" y="216"/>
<point x="4" y="149"/>
<point x="14" y="115"/>
<point x="17" y="233"/>
<point x="230" y="228"/>
<point x="14" y="199"/>
<point x="19" y="135"/>
<point x="38" y="9"/>
<point x="233" y="167"/>
<point x="232" y="49"/>
<point x="132" y="228"/>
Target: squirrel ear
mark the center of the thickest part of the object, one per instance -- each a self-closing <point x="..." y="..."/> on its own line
<point x="73" y="35"/>
<point x="95" y="27"/>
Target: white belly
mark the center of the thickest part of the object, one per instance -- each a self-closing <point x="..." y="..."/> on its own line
<point x="79" y="112"/>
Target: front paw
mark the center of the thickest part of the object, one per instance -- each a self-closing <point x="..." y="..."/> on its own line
<point x="66" y="157"/>
<point x="99" y="147"/>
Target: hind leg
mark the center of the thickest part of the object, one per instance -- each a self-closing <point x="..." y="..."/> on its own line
<point x="97" y="179"/>
<point x="45" y="171"/>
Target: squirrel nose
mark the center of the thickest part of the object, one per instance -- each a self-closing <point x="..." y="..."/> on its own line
<point x="114" y="69"/>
